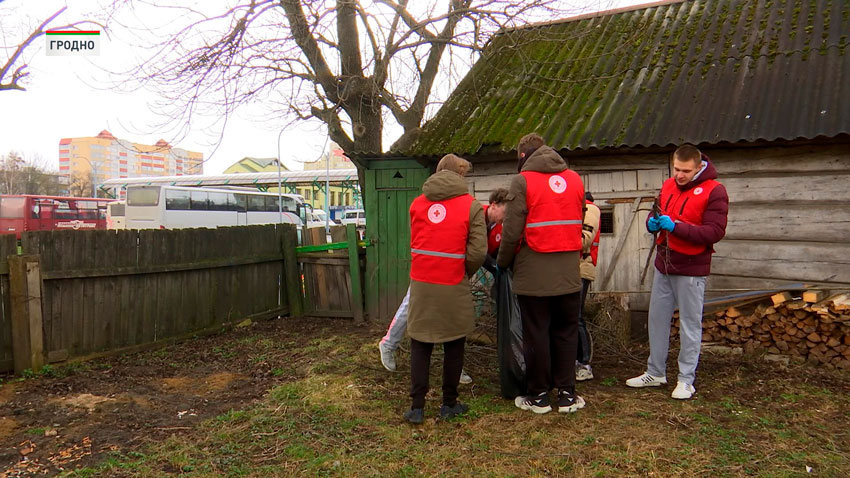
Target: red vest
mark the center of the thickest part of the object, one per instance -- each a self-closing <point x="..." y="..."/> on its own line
<point x="554" y="202"/>
<point x="594" y="246"/>
<point x="684" y="206"/>
<point x="438" y="236"/>
<point x="494" y="239"/>
<point x="494" y="236"/>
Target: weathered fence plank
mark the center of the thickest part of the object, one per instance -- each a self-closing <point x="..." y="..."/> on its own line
<point x="27" y="330"/>
<point x="8" y="246"/>
<point x="292" y="272"/>
<point x="356" y="294"/>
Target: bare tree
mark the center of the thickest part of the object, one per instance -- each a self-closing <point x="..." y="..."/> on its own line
<point x="348" y="63"/>
<point x="81" y="184"/>
<point x="10" y="170"/>
<point x="28" y="176"/>
<point x="13" y="72"/>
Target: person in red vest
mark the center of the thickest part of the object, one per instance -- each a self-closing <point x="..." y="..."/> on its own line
<point x="448" y="242"/>
<point x="589" y="257"/>
<point x="494" y="214"/>
<point x="694" y="208"/>
<point x="544" y="218"/>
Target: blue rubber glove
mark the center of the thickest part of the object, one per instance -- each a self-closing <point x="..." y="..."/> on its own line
<point x="666" y="223"/>
<point x="653" y="225"/>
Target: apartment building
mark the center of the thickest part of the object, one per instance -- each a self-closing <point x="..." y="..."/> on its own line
<point x="87" y="162"/>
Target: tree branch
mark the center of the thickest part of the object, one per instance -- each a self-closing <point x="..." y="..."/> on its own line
<point x="19" y="73"/>
<point x="409" y="20"/>
<point x="413" y="117"/>
<point x="376" y="52"/>
<point x="348" y="38"/>
<point x="305" y="41"/>
<point x="331" y="118"/>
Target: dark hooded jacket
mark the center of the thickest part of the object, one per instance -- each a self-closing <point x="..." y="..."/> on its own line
<point x="712" y="230"/>
<point x="442" y="313"/>
<point x="535" y="273"/>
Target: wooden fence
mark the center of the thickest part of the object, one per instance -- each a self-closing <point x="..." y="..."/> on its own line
<point x="95" y="292"/>
<point x="8" y="247"/>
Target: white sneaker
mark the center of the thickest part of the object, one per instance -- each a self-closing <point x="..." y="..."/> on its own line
<point x="465" y="378"/>
<point x="583" y="372"/>
<point x="683" y="391"/>
<point x="646" y="380"/>
<point x="387" y="357"/>
<point x="538" y="404"/>
<point x="569" y="402"/>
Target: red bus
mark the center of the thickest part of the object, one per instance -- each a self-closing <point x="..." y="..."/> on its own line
<point x="19" y="213"/>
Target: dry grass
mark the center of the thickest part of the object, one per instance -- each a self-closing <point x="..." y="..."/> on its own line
<point x="340" y="415"/>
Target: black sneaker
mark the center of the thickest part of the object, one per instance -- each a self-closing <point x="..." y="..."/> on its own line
<point x="415" y="415"/>
<point x="569" y="402"/>
<point x="447" y="412"/>
<point x="536" y="403"/>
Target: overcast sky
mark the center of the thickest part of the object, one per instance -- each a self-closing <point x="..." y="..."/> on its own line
<point x="70" y="97"/>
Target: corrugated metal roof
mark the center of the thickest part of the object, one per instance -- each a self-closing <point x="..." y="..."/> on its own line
<point x="240" y="179"/>
<point x="693" y="71"/>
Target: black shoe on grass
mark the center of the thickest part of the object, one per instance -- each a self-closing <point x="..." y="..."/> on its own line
<point x="415" y="416"/>
<point x="447" y="412"/>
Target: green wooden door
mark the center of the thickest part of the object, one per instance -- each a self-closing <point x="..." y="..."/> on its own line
<point x="391" y="186"/>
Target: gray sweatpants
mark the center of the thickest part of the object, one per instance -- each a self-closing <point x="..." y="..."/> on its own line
<point x="399" y="324"/>
<point x="668" y="291"/>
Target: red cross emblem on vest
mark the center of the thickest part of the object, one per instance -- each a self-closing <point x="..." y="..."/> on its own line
<point x="437" y="213"/>
<point x="557" y="184"/>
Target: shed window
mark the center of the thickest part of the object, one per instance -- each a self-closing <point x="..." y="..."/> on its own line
<point x="606" y="221"/>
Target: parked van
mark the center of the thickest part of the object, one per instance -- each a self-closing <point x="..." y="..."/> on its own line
<point x="115" y="215"/>
<point x="354" y="216"/>
<point x="318" y="218"/>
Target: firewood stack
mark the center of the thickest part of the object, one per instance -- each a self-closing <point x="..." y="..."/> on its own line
<point x="814" y="328"/>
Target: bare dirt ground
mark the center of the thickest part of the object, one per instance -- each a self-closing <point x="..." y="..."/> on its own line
<point x="72" y="415"/>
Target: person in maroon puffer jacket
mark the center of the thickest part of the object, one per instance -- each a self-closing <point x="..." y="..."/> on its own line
<point x="694" y="208"/>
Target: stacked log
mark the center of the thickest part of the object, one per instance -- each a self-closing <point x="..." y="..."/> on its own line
<point x="812" y="328"/>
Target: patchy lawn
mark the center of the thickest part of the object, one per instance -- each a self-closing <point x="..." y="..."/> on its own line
<point x="308" y="397"/>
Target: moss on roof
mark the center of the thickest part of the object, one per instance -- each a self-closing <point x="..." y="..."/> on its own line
<point x="696" y="71"/>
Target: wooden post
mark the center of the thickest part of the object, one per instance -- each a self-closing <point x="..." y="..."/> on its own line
<point x="27" y="333"/>
<point x="354" y="265"/>
<point x="291" y="274"/>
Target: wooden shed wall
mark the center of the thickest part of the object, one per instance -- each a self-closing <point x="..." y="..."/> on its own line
<point x="789" y="217"/>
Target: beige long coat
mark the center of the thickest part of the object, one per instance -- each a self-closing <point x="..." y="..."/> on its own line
<point x="442" y="313"/>
<point x="591" y="225"/>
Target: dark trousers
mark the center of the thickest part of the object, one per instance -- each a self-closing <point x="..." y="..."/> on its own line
<point x="583" y="351"/>
<point x="549" y="340"/>
<point x="420" y="367"/>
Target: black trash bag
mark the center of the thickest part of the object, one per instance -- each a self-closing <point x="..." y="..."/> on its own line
<point x="509" y="337"/>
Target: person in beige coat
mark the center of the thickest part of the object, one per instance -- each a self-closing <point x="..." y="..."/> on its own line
<point x="441" y="307"/>
<point x="589" y="252"/>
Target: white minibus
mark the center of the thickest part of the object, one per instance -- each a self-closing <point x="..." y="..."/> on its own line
<point x="176" y="207"/>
